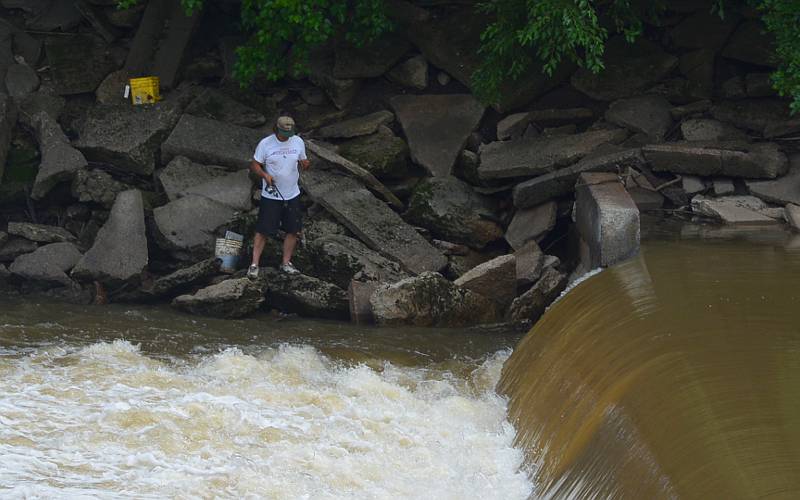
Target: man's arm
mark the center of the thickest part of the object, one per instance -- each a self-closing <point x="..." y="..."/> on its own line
<point x="258" y="169"/>
<point x="304" y="164"/>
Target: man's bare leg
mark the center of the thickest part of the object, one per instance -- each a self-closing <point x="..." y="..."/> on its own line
<point x="258" y="246"/>
<point x="289" y="244"/>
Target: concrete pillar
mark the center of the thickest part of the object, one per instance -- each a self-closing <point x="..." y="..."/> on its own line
<point x="358" y="295"/>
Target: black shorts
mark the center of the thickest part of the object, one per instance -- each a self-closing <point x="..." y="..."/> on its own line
<point x="278" y="214"/>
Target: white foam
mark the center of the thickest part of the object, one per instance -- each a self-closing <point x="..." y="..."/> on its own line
<point x="107" y="421"/>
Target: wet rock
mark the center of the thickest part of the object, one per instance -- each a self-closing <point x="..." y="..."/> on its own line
<point x="126" y="137"/>
<point x="233" y="298"/>
<point x="437" y="127"/>
<point x="752" y="44"/>
<point x="372" y="60"/>
<point x="736" y="159"/>
<point x="371" y="220"/>
<point x="629" y="69"/>
<point x="732" y="209"/>
<point x="48" y="264"/>
<point x="383" y="154"/>
<point x="186" y="278"/>
<point x="412" y="73"/>
<point x="355" y="127"/>
<point x="722" y="186"/>
<point x="531" y="157"/>
<point x="531" y="224"/>
<point x="646" y="114"/>
<point x="14" y="247"/>
<point x="783" y="190"/>
<point x="430" y="300"/>
<point x="562" y="181"/>
<point x="60" y="161"/>
<point x="304" y="295"/>
<point x="337" y="259"/>
<point x="21" y="80"/>
<point x="40" y="233"/>
<point x="181" y="174"/>
<point x="793" y="216"/>
<point x="607" y="219"/>
<point x="187" y="225"/>
<point x="528" y="263"/>
<point x="96" y="186"/>
<point x="233" y="190"/>
<point x="119" y="253"/>
<point x="451" y="210"/>
<point x="215" y="105"/>
<point x="495" y="279"/>
<point x="705" y="129"/>
<point x="211" y="142"/>
<point x="531" y="305"/>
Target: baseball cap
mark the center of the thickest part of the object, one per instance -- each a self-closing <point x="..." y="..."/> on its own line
<point x="285" y="125"/>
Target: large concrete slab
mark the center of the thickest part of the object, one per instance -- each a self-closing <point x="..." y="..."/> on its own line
<point x="757" y="160"/>
<point x="746" y="210"/>
<point x="372" y="220"/>
<point x="437" y="127"/>
<point x="171" y="49"/>
<point x="211" y="142"/>
<point x="783" y="190"/>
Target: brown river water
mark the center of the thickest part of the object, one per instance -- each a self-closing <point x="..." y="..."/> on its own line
<point x="673" y="375"/>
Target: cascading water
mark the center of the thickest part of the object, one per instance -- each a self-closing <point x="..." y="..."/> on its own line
<point x="673" y="375"/>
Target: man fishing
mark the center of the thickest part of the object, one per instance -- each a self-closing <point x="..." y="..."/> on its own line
<point x="277" y="160"/>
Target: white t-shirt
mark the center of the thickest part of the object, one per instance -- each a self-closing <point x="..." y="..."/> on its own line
<point x="280" y="161"/>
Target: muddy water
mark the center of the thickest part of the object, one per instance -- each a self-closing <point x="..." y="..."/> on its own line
<point x="673" y="375"/>
<point x="119" y="402"/>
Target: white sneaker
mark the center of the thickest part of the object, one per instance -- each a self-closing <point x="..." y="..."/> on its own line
<point x="289" y="268"/>
<point x="252" y="272"/>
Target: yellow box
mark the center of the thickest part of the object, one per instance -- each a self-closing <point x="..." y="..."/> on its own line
<point x="145" y="90"/>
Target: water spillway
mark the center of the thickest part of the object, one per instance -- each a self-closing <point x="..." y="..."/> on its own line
<point x="673" y="375"/>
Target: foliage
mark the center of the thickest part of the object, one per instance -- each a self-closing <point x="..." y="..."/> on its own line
<point x="782" y="19"/>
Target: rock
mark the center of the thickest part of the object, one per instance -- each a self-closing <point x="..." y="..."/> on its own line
<point x="186" y="226"/>
<point x="695" y="108"/>
<point x="215" y="105"/>
<point x="692" y="184"/>
<point x="111" y="90"/>
<point x="355" y="127"/>
<point x="466" y="168"/>
<point x="629" y="69"/>
<point x="560" y="117"/>
<point x="78" y="63"/>
<point x="703" y="29"/>
<point x="732" y="209"/>
<point x="698" y="67"/>
<point x="383" y="154"/>
<point x="337" y="259"/>
<point x="233" y="190"/>
<point x="607" y="219"/>
<point x="752" y="114"/>
<point x="5" y="276"/>
<point x="59" y="15"/>
<point x="96" y="186"/>
<point x="437" y="127"/>
<point x="181" y="174"/>
<point x="733" y="88"/>
<point x="14" y="247"/>
<point x="125" y="18"/>
<point x="97" y="19"/>
<point x="562" y="181"/>
<point x="341" y="91"/>
<point x="211" y="142"/>
<point x="126" y="137"/>
<point x="186" y="278"/>
<point x="119" y="253"/>
<point x="40" y="101"/>
<point x="759" y="85"/>
<point x="371" y="220"/>
<point x="646" y="114"/>
<point x="750" y="43"/>
<point x="449" y="248"/>
<point x="8" y="119"/>
<point x="495" y="279"/>
<point x="530" y="157"/>
<point x="531" y="224"/>
<point x="531" y="305"/>
<point x="48" y="264"/>
<point x="143" y="46"/>
<point x="60" y="161"/>
<point x="358" y="295"/>
<point x="793" y="216"/>
<point x="372" y="60"/>
<point x="512" y="126"/>
<point x="232" y="298"/>
<point x="304" y="295"/>
<point x="40" y="233"/>
<point x="451" y="210"/>
<point x="783" y="190"/>
<point x="722" y="186"/>
<point x="758" y="160"/>
<point x="430" y="300"/>
<point x="645" y="199"/>
<point x="412" y="73"/>
<point x="313" y="96"/>
<point x="529" y="262"/>
<point x="21" y="80"/>
<point x="705" y="129"/>
<point x="3" y="238"/>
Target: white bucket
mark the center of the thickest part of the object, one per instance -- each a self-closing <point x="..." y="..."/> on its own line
<point x="228" y="251"/>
